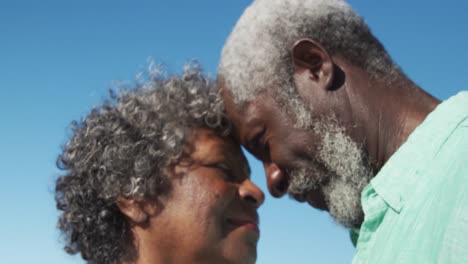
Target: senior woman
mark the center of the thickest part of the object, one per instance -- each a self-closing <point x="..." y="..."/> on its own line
<point x="153" y="176"/>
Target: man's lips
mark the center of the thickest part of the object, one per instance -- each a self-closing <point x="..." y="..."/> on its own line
<point x="316" y="199"/>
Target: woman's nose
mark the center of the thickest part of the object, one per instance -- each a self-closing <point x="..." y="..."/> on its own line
<point x="251" y="193"/>
<point x="277" y="181"/>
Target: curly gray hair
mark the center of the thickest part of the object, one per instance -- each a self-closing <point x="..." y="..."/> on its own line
<point x="121" y="149"/>
<point x="257" y="52"/>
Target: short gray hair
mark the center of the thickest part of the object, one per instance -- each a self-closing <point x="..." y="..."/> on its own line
<point x="122" y="149"/>
<point x="257" y="53"/>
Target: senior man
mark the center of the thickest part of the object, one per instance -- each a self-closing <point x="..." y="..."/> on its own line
<point x="335" y="121"/>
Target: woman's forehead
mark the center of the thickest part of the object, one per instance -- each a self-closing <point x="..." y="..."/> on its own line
<point x="207" y="143"/>
<point x="209" y="147"/>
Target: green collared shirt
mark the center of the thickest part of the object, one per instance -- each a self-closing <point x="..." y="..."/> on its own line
<point x="416" y="207"/>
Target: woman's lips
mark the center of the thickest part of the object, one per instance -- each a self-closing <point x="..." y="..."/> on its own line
<point x="249" y="224"/>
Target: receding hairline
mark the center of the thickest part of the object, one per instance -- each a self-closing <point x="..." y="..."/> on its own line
<point x="257" y="49"/>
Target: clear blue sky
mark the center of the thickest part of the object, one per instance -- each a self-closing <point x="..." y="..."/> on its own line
<point x="58" y="59"/>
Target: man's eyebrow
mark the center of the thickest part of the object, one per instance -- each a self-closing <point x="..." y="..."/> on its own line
<point x="251" y="126"/>
<point x="250" y="117"/>
<point x="250" y="120"/>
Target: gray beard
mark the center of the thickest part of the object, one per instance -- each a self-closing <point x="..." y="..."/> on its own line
<point x="344" y="173"/>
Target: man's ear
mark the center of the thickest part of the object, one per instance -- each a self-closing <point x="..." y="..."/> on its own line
<point x="136" y="211"/>
<point x="311" y="58"/>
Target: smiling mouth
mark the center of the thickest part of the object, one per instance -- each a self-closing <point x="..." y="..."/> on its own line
<point x="250" y="224"/>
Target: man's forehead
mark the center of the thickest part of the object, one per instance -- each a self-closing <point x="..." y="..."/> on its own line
<point x="241" y="115"/>
<point x="247" y="107"/>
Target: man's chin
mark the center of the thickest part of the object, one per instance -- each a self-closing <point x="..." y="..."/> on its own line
<point x="348" y="222"/>
<point x="345" y="207"/>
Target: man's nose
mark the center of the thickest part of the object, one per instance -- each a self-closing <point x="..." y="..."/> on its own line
<point x="251" y="193"/>
<point x="277" y="181"/>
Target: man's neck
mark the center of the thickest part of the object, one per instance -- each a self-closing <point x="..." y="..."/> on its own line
<point x="395" y="113"/>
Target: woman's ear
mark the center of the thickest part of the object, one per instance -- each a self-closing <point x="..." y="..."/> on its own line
<point x="136" y="211"/>
<point x="311" y="58"/>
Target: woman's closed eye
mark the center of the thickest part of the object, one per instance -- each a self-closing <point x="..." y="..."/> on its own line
<point x="225" y="168"/>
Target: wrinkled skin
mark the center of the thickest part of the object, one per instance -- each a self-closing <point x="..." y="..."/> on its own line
<point x="210" y="215"/>
<point x="357" y="123"/>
